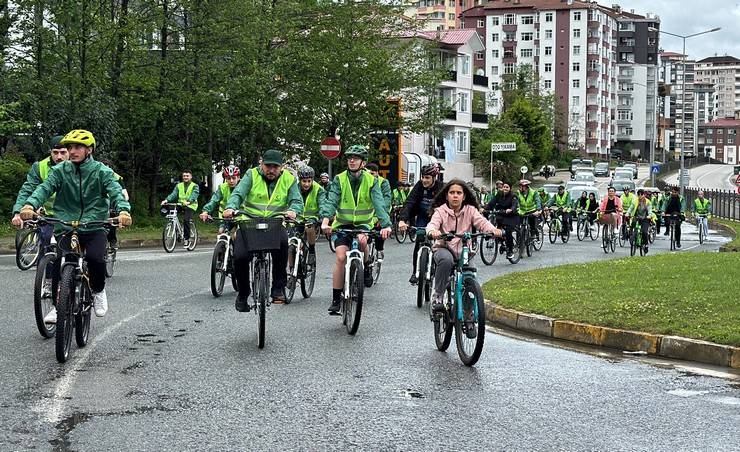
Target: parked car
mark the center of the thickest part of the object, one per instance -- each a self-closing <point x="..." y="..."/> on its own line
<point x="585" y="178"/>
<point x="601" y="169"/>
<point x="633" y="167"/>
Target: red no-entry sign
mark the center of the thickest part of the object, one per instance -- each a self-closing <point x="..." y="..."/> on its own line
<point x="331" y="148"/>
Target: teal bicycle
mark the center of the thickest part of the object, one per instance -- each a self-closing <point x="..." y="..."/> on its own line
<point x="464" y="308"/>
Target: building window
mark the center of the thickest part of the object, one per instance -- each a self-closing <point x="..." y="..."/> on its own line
<point x="462" y="102"/>
<point x="494" y="85"/>
<point x="720" y="131"/>
<point x="510" y="36"/>
<point x="719" y="140"/>
<point x="577" y="15"/>
<point x="548" y="17"/>
<point x="548" y="67"/>
<point x="494" y="70"/>
<point x="548" y="84"/>
<point x="576" y="83"/>
<point x="548" y="50"/>
<point x="494" y="37"/>
<point x="576" y="50"/>
<point x="494" y="21"/>
<point x="548" y="34"/>
<point x="494" y="53"/>
<point x="575" y="101"/>
<point x="508" y="68"/>
<point x="451" y="16"/>
<point x="527" y="20"/>
<point x="465" y="64"/>
<point x="527" y="36"/>
<point x="462" y="142"/>
<point x="576" y="67"/>
<point x="576" y="32"/>
<point x="479" y="56"/>
<point x="481" y="23"/>
<point x="526" y="53"/>
<point x="509" y="19"/>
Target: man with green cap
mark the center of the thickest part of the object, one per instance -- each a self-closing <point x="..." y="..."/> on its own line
<point x="356" y="198"/>
<point x="265" y="191"/>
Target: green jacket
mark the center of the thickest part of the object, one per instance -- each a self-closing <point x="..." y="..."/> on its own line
<point x="85" y="192"/>
<point x="334" y="196"/>
<point x="399" y="197"/>
<point x="666" y="201"/>
<point x="240" y="192"/>
<point x="385" y="187"/>
<point x="701" y="208"/>
<point x="633" y="209"/>
<point x="33" y="180"/>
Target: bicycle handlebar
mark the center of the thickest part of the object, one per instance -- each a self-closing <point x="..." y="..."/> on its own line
<point x="110" y="222"/>
<point x="355" y="232"/>
<point x="465" y="235"/>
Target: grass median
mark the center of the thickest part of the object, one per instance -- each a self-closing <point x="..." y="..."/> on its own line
<point x="735" y="226"/>
<point x="685" y="294"/>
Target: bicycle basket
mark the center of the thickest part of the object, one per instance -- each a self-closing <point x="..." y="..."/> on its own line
<point x="262" y="234"/>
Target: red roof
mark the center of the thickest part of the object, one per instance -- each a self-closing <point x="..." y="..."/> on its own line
<point x="452" y="37"/>
<point x="671" y="54"/>
<point x="724" y="122"/>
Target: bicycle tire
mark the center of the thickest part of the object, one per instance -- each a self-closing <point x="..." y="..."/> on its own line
<point x="613" y="242"/>
<point x="218" y="276"/>
<point x="515" y="255"/>
<point x="537" y="243"/>
<point x="309" y="279"/>
<point x="488" y="250"/>
<point x="43" y="305"/>
<point x="581" y="230"/>
<point x="442" y="325"/>
<point x="622" y="234"/>
<point x="594" y="236"/>
<point x="422" y="284"/>
<point x="65" y="313"/>
<point x="469" y="349"/>
<point x="400" y="235"/>
<point x="633" y="244"/>
<point x="110" y="261"/>
<point x="261" y="301"/>
<point x="565" y="236"/>
<point x="83" y="314"/>
<point x="701" y="231"/>
<point x="169" y="238"/>
<point x="553" y="230"/>
<point x="28" y="250"/>
<point x="292" y="281"/>
<point x="230" y="268"/>
<point x="374" y="264"/>
<point x="605" y="239"/>
<point x="672" y="238"/>
<point x="353" y="303"/>
<point x="193" y="237"/>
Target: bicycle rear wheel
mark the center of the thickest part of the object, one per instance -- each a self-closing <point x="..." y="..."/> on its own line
<point x="470" y="332"/>
<point x="110" y="261"/>
<point x="83" y="313"/>
<point x="353" y="303"/>
<point x="43" y="303"/>
<point x="193" y="237"/>
<point x="442" y="325"/>
<point x="581" y="230"/>
<point x="292" y="281"/>
<point x="65" y="313"/>
<point x="488" y="250"/>
<point x="400" y="235"/>
<point x="28" y="249"/>
<point x="218" y="276"/>
<point x="169" y="237"/>
<point x="423" y="287"/>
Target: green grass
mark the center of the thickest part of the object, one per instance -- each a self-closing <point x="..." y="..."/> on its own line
<point x="686" y="294"/>
<point x="735" y="244"/>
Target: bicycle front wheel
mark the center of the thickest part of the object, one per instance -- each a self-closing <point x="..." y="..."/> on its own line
<point x="488" y="250"/>
<point x="422" y="287"/>
<point x="633" y="244"/>
<point x="65" y="313"/>
<point x="169" y="237"/>
<point x="622" y="234"/>
<point x="263" y="291"/>
<point x="553" y="231"/>
<point x="400" y="235"/>
<point x="605" y="239"/>
<point x="193" y="237"/>
<point x="28" y="249"/>
<point x="375" y="265"/>
<point x="353" y="303"/>
<point x="218" y="275"/>
<point x="539" y="239"/>
<point x="110" y="261"/>
<point x="581" y="230"/>
<point x="701" y="231"/>
<point x="43" y="302"/>
<point x="309" y="278"/>
<point x="442" y="325"/>
<point x="470" y="330"/>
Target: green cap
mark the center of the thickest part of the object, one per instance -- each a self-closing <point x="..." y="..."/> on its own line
<point x="272" y="157"/>
<point x="55" y="141"/>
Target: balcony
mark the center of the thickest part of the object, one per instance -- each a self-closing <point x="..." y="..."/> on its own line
<point x="593" y="24"/>
<point x="508" y="28"/>
<point x="451" y="76"/>
<point x="451" y="115"/>
<point x="480" y="80"/>
<point x="479" y="118"/>
<point x="509" y="44"/>
<point x="592" y="90"/>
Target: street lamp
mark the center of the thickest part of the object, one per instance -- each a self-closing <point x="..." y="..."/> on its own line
<point x="683" y="96"/>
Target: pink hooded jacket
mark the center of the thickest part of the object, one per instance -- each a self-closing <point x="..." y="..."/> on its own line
<point x="617" y="203"/>
<point x="445" y="220"/>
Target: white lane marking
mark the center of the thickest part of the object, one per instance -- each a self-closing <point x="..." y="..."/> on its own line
<point x="52" y="408"/>
<point x="709" y="173"/>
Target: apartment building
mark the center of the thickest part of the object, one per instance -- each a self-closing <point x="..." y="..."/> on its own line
<point x="464" y="93"/>
<point x="723" y="73"/>
<point x="675" y="107"/>
<point x="718" y="139"/>
<point x="439" y="14"/>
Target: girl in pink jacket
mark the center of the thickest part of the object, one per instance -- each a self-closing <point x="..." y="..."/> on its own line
<point x="455" y="211"/>
<point x="611" y="208"/>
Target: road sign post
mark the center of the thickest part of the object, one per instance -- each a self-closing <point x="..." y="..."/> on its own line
<point x="500" y="147"/>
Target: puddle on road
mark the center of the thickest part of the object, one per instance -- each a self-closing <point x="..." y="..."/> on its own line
<point x="686" y="392"/>
<point x="412" y="394"/>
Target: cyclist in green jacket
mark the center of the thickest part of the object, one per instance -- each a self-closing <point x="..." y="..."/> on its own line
<point x="356" y="198"/>
<point x="561" y="200"/>
<point x="85" y="191"/>
<point x="220" y="197"/>
<point x="529" y="203"/>
<point x="186" y="193"/>
<point x="314" y="198"/>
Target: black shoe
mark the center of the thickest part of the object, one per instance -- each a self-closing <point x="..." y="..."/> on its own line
<point x="242" y="303"/>
<point x="114" y="245"/>
<point x="678" y="244"/>
<point x="278" y="296"/>
<point x="666" y="233"/>
<point x="646" y="250"/>
<point x="368" y="278"/>
<point x="335" y="307"/>
<point x="413" y="280"/>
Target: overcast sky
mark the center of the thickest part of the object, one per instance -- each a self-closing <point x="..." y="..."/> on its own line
<point x="685" y="17"/>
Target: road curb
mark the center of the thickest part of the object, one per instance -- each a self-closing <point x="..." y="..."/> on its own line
<point x="626" y="340"/>
<point x="730" y="231"/>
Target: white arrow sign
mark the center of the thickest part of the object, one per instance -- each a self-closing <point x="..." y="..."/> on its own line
<point x="503" y="147"/>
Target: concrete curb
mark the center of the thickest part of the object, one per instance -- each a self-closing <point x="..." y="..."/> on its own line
<point x="632" y="341"/>
<point x="730" y="231"/>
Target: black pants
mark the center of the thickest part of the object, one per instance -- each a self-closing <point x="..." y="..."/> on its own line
<point x="676" y="227"/>
<point x="508" y="236"/>
<point x="379" y="241"/>
<point x="242" y="258"/>
<point x="94" y="244"/>
<point x="565" y="217"/>
<point x="187" y="217"/>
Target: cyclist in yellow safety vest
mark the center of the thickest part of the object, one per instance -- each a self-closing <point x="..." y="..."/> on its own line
<point x="186" y="193"/>
<point x="314" y="197"/>
<point x="265" y="191"/>
<point x="356" y="198"/>
<point x="702" y="206"/>
<point x="232" y="176"/>
<point x="385" y="187"/>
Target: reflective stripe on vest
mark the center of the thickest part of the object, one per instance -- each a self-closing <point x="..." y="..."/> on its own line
<point x="311" y="204"/>
<point x="701" y="209"/>
<point x="359" y="213"/>
<point x="260" y="204"/>
<point x="183" y="195"/>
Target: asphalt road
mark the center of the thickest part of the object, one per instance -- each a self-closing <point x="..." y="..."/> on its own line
<point x="171" y="368"/>
<point x="713" y="176"/>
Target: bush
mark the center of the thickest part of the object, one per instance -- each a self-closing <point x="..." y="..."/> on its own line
<point x="12" y="175"/>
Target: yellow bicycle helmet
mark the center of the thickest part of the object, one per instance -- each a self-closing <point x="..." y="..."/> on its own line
<point x="79" y="136"/>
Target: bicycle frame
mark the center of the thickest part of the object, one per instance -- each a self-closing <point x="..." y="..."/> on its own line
<point x="226" y="238"/>
<point x="428" y="270"/>
<point x="462" y="271"/>
<point x="353" y="254"/>
<point x="296" y="241"/>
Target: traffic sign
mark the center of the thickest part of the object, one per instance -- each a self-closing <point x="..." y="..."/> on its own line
<point x="331" y="148"/>
<point x="655" y="169"/>
<point x="503" y="147"/>
<point x="524" y="169"/>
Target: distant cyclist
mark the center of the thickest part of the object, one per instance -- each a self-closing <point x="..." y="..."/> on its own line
<point x="220" y="197"/>
<point x="702" y="208"/>
<point x="505" y="204"/>
<point x="675" y="205"/>
<point x="529" y="204"/>
<point x="185" y="193"/>
<point x="611" y="208"/>
<point x="561" y="201"/>
<point x="641" y="213"/>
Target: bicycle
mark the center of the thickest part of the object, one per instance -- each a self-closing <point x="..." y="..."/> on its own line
<point x="528" y="241"/>
<point x="110" y="259"/>
<point x="74" y="302"/>
<point x="608" y="239"/>
<point x="491" y="247"/>
<point x="395" y="219"/>
<point x="373" y="261"/>
<point x="636" y="240"/>
<point x="222" y="262"/>
<point x="354" y="285"/>
<point x="173" y="231"/>
<point x="424" y="267"/>
<point x="701" y="223"/>
<point x="556" y="227"/>
<point x="464" y="307"/>
<point x="583" y="227"/>
<point x="27" y="245"/>
<point x="624" y="232"/>
<point x="652" y="232"/>
<point x="44" y="289"/>
<point x="670" y="222"/>
<point x="299" y="267"/>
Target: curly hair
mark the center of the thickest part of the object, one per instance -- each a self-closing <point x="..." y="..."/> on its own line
<point x="441" y="198"/>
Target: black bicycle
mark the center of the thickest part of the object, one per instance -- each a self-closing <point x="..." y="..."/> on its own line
<point x="490" y="246"/>
<point x="222" y="261"/>
<point x="424" y="267"/>
<point x="395" y="219"/>
<point x="671" y="222"/>
<point x="301" y="264"/>
<point x="528" y="241"/>
<point x="44" y="288"/>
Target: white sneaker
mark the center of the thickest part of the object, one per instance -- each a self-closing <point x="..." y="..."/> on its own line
<point x="100" y="302"/>
<point x="51" y="317"/>
<point x="46" y="290"/>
